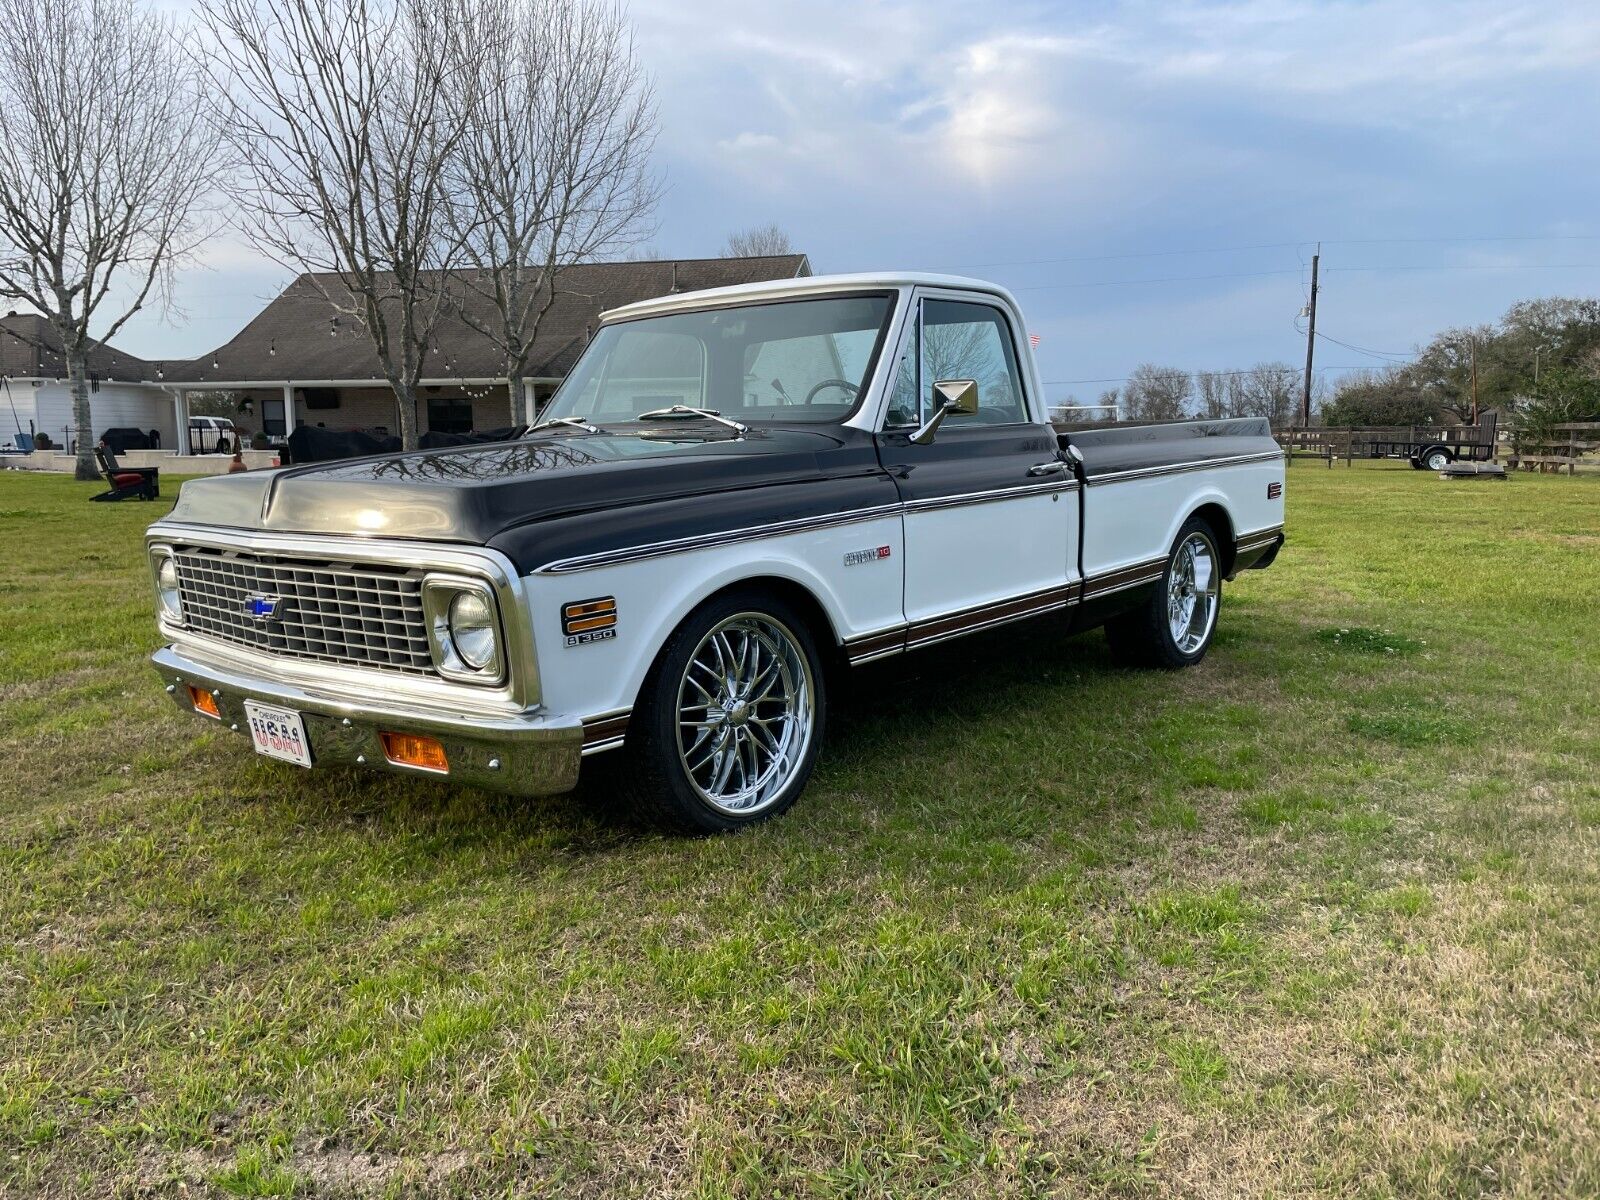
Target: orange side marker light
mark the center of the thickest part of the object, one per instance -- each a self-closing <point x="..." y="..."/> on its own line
<point x="204" y="702"/>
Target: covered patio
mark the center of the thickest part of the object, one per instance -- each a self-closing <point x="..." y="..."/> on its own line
<point x="443" y="406"/>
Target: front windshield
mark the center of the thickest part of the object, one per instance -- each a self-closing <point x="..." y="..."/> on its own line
<point x="800" y="360"/>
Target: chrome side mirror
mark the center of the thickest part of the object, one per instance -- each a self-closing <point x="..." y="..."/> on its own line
<point x="954" y="396"/>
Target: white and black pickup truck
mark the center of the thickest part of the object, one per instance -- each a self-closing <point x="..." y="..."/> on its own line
<point x="736" y="495"/>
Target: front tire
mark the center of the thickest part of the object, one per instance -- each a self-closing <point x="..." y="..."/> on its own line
<point x="1174" y="625"/>
<point x="730" y="721"/>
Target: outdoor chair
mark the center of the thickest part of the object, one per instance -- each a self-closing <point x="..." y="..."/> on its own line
<point x="143" y="482"/>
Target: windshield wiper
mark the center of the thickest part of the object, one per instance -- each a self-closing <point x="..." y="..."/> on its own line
<point x="575" y="422"/>
<point x="686" y="410"/>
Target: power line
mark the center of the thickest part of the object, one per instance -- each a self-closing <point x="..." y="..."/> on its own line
<point x="1402" y="241"/>
<point x="1031" y="262"/>
<point x="1480" y="267"/>
<point x="1395" y="356"/>
<point x="1042" y="287"/>
<point x="1219" y="374"/>
<point x="1089" y="283"/>
<point x="1513" y="237"/>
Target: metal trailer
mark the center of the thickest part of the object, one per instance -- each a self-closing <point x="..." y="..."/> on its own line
<point x="1429" y="449"/>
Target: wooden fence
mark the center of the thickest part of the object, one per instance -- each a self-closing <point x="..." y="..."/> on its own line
<point x="1316" y="442"/>
<point x="1386" y="441"/>
<point x="1574" y="448"/>
<point x="1567" y="448"/>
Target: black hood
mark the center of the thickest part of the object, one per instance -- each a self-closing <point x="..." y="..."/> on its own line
<point x="473" y="493"/>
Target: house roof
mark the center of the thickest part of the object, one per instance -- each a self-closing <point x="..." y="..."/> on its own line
<point x="299" y="336"/>
<point x="30" y="348"/>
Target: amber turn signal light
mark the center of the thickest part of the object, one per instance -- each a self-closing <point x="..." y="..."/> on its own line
<point x="204" y="702"/>
<point x="584" y="616"/>
<point x="413" y="750"/>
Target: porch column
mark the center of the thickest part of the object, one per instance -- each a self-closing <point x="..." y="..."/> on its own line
<point x="288" y="409"/>
<point x="529" y="408"/>
<point x="180" y="419"/>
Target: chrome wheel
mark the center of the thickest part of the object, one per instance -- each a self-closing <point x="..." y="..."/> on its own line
<point x="746" y="713"/>
<point x="1438" y="460"/>
<point x="1193" y="588"/>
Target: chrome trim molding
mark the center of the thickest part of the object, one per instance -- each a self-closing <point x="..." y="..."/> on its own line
<point x="607" y="731"/>
<point x="1257" y="538"/>
<point x="1131" y="576"/>
<point x="988" y="496"/>
<point x="916" y="643"/>
<point x="958" y="622"/>
<point x="1180" y="468"/>
<point x="705" y="541"/>
<point x="1123" y="585"/>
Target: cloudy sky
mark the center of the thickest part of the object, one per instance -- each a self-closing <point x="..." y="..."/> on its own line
<point x="1149" y="177"/>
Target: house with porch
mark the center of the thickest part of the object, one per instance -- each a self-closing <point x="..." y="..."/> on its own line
<point x="301" y="362"/>
<point x="35" y="398"/>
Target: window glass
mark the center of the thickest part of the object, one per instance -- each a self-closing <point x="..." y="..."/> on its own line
<point x="903" y="407"/>
<point x="803" y="360"/>
<point x="970" y="341"/>
<point x="449" y="415"/>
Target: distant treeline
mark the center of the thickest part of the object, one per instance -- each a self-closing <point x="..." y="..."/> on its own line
<point x="1540" y="364"/>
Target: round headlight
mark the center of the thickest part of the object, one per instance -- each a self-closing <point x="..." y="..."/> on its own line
<point x="167" y="587"/>
<point x="472" y="629"/>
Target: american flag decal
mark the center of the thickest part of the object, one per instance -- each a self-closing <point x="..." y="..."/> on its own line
<point x="1033" y="340"/>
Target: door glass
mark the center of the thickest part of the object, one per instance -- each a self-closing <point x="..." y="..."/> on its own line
<point x="970" y="341"/>
<point x="903" y="406"/>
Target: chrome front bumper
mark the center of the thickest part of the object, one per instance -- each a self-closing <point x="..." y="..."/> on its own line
<point x="527" y="755"/>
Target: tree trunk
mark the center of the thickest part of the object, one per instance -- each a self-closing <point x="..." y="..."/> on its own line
<point x="514" y="394"/>
<point x="86" y="468"/>
<point x="405" y="399"/>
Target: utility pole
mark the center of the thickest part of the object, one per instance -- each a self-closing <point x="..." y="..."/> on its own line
<point x="1472" y="351"/>
<point x="1311" y="342"/>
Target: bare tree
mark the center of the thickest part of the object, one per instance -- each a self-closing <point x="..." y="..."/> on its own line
<point x="554" y="165"/>
<point x="345" y="117"/>
<point x="1155" y="393"/>
<point x="959" y="350"/>
<point x="759" y="242"/>
<point x="1270" y="390"/>
<point x="1212" y="392"/>
<point x="104" y="167"/>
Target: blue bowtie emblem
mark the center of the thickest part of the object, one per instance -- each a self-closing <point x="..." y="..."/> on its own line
<point x="262" y="608"/>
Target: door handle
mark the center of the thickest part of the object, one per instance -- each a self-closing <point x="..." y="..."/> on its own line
<point x="1053" y="467"/>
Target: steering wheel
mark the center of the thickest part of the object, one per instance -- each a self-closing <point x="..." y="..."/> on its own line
<point x="828" y="383"/>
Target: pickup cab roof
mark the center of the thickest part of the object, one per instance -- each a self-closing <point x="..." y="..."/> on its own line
<point x="812" y="285"/>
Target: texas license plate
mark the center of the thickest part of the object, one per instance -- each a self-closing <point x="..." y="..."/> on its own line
<point x="278" y="733"/>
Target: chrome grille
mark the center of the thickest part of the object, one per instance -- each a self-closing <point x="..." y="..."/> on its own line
<point x="366" y="616"/>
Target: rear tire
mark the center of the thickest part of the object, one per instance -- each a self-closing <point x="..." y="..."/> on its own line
<point x="1436" y="458"/>
<point x="730" y="720"/>
<point x="1174" y="625"/>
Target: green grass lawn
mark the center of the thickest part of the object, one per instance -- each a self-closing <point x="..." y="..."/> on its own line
<point x="1320" y="917"/>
